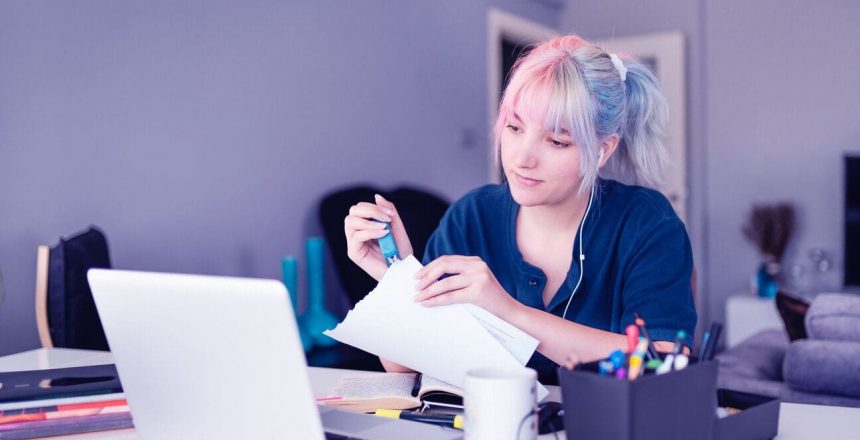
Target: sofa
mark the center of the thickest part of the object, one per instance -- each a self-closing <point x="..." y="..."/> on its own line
<point x="822" y="368"/>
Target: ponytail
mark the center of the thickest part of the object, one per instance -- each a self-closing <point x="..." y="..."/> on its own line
<point x="641" y="154"/>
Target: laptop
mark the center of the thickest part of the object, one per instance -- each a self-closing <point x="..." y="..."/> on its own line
<point x="204" y="357"/>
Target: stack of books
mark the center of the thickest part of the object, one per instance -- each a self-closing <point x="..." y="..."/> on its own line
<point x="61" y="401"/>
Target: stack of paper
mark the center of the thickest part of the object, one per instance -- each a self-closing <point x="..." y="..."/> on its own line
<point x="443" y="342"/>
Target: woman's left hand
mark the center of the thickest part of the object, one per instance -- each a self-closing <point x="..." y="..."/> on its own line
<point x="470" y="281"/>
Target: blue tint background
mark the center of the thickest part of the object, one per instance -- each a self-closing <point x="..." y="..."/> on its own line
<point x="201" y="134"/>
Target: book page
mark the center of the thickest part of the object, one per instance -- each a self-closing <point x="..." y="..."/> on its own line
<point x="430" y="384"/>
<point x="367" y="386"/>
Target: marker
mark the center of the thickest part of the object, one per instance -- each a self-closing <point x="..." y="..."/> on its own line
<point x="681" y="362"/>
<point x="652" y="352"/>
<point x="621" y="373"/>
<point x="452" y="420"/>
<point x="632" y="337"/>
<point x="636" y="359"/>
<point x="666" y="366"/>
<point x="605" y="367"/>
<point x="653" y="364"/>
<point x="617" y="359"/>
<point x="679" y="342"/>
<point x="388" y="247"/>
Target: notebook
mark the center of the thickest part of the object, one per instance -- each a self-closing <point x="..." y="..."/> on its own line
<point x="367" y="392"/>
<point x="220" y="358"/>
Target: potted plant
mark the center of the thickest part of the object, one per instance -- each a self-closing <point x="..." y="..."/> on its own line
<point x="770" y="228"/>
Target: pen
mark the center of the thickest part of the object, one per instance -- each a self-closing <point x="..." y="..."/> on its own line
<point x="652" y="352"/>
<point x="710" y="350"/>
<point x="452" y="420"/>
<point x="705" y="338"/>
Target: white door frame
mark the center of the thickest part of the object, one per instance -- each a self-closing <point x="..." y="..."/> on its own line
<point x="501" y="24"/>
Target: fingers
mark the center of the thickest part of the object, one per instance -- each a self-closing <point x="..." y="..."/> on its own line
<point x="354" y="223"/>
<point x="442" y="287"/>
<point x="370" y="210"/>
<point x="448" y="264"/>
<point x="359" y="237"/>
<point x="398" y="229"/>
<point x="451" y="297"/>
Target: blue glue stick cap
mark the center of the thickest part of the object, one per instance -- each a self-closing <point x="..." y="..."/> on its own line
<point x="388" y="247"/>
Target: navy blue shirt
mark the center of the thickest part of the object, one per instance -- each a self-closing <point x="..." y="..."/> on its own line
<point x="638" y="259"/>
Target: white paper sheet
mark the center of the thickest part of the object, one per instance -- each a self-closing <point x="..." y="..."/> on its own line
<point x="443" y="342"/>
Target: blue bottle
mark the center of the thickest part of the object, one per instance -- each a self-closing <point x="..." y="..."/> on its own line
<point x="289" y="271"/>
<point x="765" y="282"/>
<point x="317" y="319"/>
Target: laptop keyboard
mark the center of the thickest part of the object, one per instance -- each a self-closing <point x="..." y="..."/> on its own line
<point x="333" y="436"/>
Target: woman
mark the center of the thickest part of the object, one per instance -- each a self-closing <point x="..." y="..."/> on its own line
<point x="579" y="136"/>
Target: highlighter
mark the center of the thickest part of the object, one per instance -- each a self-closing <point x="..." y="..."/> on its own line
<point x="681" y="362"/>
<point x="388" y="247"/>
<point x="679" y="342"/>
<point x="667" y="364"/>
<point x="452" y="420"/>
<point x="636" y="359"/>
<point x="632" y="337"/>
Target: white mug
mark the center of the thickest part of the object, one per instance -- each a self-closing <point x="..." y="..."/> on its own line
<point x="500" y="404"/>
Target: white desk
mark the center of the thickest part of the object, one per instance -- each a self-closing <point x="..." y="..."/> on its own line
<point x="796" y="422"/>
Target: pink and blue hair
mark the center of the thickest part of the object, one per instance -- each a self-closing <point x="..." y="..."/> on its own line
<point x="569" y="84"/>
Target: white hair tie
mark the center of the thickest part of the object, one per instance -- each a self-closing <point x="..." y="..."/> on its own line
<point x="619" y="66"/>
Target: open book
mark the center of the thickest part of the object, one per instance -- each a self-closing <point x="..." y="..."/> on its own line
<point x="368" y="392"/>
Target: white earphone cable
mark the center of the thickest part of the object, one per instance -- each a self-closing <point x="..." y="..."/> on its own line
<point x="581" y="252"/>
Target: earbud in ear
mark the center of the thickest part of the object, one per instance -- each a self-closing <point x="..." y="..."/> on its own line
<point x="600" y="157"/>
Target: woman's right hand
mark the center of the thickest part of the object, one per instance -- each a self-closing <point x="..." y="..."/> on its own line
<point x="362" y="233"/>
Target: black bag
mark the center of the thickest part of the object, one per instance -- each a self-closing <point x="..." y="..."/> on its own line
<point x="72" y="317"/>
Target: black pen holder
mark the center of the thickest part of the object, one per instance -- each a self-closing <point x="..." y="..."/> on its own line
<point x="680" y="405"/>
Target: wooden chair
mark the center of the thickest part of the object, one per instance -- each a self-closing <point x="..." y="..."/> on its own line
<point x="42" y="267"/>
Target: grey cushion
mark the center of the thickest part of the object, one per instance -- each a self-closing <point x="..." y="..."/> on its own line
<point x="834" y="316"/>
<point x="758" y="357"/>
<point x="831" y="367"/>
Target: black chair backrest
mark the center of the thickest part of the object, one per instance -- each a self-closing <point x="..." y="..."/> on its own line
<point x="419" y="209"/>
<point x="72" y="316"/>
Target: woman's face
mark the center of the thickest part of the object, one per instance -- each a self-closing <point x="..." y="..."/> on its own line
<point x="542" y="167"/>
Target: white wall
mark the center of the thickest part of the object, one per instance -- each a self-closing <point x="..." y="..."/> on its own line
<point x="201" y="135"/>
<point x="773" y="106"/>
